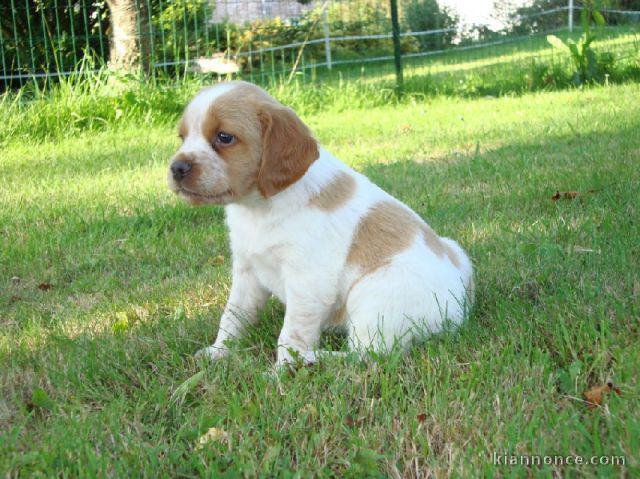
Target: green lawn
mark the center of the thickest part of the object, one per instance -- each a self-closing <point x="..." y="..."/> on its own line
<point x="504" y="64"/>
<point x="109" y="284"/>
<point x="102" y="101"/>
<point x="624" y="41"/>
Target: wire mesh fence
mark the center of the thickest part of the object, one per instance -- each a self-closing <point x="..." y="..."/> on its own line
<point x="275" y="41"/>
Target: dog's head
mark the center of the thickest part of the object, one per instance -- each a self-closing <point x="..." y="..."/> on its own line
<point x="237" y="139"/>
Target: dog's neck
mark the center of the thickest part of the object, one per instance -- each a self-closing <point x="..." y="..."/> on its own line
<point x="296" y="196"/>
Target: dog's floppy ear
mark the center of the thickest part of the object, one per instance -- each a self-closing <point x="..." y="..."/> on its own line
<point x="288" y="149"/>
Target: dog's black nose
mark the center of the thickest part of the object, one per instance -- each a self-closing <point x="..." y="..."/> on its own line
<point x="180" y="169"/>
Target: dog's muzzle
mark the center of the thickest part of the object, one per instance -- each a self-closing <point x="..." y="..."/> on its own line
<point x="180" y="169"/>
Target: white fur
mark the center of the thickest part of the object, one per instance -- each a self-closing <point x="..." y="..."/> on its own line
<point x="285" y="246"/>
<point x="197" y="111"/>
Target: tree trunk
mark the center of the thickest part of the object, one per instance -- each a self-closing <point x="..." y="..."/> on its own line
<point x="129" y="46"/>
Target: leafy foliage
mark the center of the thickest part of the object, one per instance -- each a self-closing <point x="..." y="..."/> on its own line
<point x="426" y="15"/>
<point x="35" y="35"/>
<point x="529" y="18"/>
<point x="582" y="54"/>
<point x="38" y="37"/>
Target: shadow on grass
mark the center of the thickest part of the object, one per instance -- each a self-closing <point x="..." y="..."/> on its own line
<point x="484" y="200"/>
<point x="496" y="203"/>
<point x="540" y="314"/>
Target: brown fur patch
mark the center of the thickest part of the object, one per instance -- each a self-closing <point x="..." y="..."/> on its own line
<point x="385" y="231"/>
<point x="453" y="256"/>
<point x="336" y="193"/>
<point x="432" y="240"/>
<point x="389" y="229"/>
<point x="273" y="148"/>
<point x="439" y="247"/>
<point x="339" y="317"/>
<point x="235" y="113"/>
<point x="288" y="149"/>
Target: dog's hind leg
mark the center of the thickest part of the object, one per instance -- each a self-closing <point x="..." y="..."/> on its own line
<point x="398" y="302"/>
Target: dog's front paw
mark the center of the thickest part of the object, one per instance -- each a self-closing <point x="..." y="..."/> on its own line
<point x="212" y="353"/>
<point x="289" y="358"/>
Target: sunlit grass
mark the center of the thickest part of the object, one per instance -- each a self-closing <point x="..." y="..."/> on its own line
<point x="514" y="53"/>
<point x="102" y="100"/>
<point x="89" y="368"/>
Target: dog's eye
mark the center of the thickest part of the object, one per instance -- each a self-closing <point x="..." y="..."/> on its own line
<point x="223" y="138"/>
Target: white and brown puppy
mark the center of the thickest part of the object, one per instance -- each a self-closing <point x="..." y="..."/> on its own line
<point x="332" y="246"/>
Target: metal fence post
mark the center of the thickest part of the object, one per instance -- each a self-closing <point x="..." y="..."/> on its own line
<point x="570" y="16"/>
<point x="397" y="52"/>
<point x="327" y="41"/>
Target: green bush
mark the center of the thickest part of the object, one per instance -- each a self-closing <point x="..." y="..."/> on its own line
<point x="589" y="66"/>
<point x="424" y="15"/>
<point x="345" y="19"/>
<point x="180" y="29"/>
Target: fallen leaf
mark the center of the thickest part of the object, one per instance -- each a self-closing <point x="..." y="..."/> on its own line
<point x="422" y="417"/>
<point x="354" y="422"/>
<point x="405" y="128"/>
<point x="45" y="286"/>
<point x="15" y="280"/>
<point x="214" y="434"/>
<point x="14" y="298"/>
<point x="568" y="195"/>
<point x="571" y="195"/>
<point x="595" y="396"/>
<point x="218" y="260"/>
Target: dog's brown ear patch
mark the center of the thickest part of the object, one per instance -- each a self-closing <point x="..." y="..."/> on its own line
<point x="288" y="149"/>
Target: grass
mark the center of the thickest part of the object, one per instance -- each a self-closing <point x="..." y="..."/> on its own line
<point x="97" y="101"/>
<point x="506" y="51"/>
<point x="498" y="66"/>
<point x="109" y="285"/>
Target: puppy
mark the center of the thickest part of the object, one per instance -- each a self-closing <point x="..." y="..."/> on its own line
<point x="332" y="246"/>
